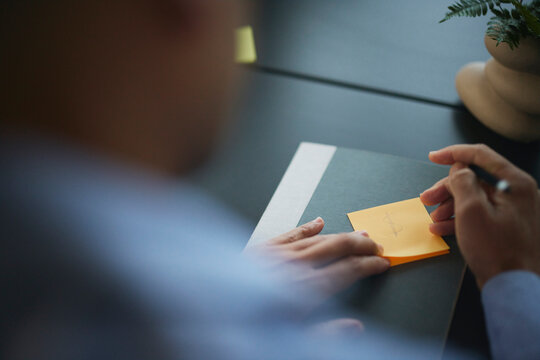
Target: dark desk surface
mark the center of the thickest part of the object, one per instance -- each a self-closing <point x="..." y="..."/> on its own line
<point x="384" y="44"/>
<point x="373" y="75"/>
<point x="279" y="112"/>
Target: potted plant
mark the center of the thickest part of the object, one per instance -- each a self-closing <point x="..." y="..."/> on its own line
<point x="504" y="92"/>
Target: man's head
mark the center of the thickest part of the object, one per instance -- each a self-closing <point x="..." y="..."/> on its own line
<point x="146" y="81"/>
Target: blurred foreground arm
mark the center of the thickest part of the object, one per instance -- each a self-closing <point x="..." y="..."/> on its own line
<point x="499" y="236"/>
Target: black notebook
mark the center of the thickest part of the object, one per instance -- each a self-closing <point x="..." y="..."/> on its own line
<point x="417" y="298"/>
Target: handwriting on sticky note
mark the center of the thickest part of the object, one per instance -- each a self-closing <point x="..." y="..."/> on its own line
<point x="402" y="228"/>
<point x="396" y="228"/>
<point x="245" y="46"/>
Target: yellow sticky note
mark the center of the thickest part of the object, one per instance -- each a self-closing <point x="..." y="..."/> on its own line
<point x="402" y="228"/>
<point x="245" y="45"/>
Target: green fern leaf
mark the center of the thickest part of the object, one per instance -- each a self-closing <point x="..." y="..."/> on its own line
<point x="470" y="8"/>
<point x="513" y="20"/>
<point x="533" y="24"/>
<point x="505" y="30"/>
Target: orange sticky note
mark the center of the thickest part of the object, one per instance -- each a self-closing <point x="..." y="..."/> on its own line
<point x="402" y="228"/>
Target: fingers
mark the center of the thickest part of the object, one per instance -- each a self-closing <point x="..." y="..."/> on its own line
<point x="443" y="228"/>
<point x="443" y="224"/>
<point x="444" y="212"/>
<point x="489" y="160"/>
<point x="439" y="192"/>
<point x="304" y="231"/>
<point x="480" y="155"/>
<point x="467" y="192"/>
<point x="343" y="273"/>
<point x="435" y="194"/>
<point x="304" y="243"/>
<point x="333" y="247"/>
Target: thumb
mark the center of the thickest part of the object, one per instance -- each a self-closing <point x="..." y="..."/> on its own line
<point x="466" y="190"/>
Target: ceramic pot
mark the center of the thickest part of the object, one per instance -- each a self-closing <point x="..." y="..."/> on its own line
<point x="504" y="92"/>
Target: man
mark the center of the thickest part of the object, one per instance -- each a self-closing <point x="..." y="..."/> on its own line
<point x="105" y="257"/>
<point x="498" y="234"/>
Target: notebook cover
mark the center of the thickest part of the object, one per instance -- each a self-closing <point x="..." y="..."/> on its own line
<point x="417" y="298"/>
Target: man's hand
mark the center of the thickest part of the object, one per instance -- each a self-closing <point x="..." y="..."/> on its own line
<point x="327" y="263"/>
<point x="496" y="231"/>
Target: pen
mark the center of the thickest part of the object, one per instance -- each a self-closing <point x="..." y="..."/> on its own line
<point x="499" y="184"/>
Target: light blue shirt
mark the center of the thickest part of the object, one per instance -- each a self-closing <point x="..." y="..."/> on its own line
<point x="170" y="251"/>
<point x="512" y="308"/>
